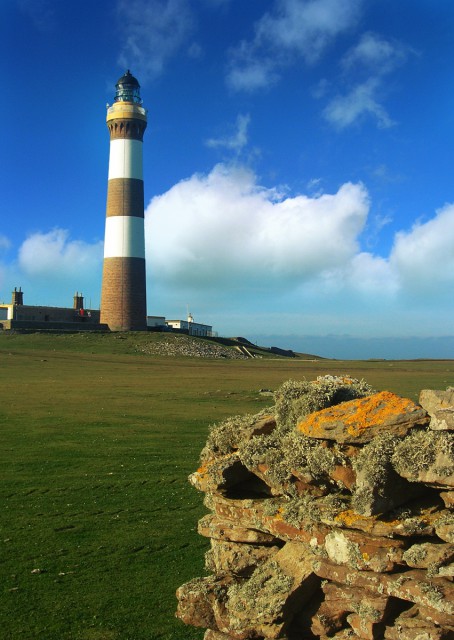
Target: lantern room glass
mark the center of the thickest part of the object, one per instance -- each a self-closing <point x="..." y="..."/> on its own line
<point x="128" y="90"/>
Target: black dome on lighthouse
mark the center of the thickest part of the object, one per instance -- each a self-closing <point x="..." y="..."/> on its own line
<point x="128" y="89"/>
<point x="128" y="78"/>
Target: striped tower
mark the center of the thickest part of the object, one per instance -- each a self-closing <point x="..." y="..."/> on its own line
<point x="123" y="297"/>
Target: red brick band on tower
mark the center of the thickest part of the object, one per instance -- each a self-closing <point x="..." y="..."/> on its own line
<point x="123" y="298"/>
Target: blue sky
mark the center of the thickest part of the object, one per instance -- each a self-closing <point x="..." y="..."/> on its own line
<point x="298" y="163"/>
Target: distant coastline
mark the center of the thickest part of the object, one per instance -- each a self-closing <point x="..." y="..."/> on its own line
<point x="345" y="347"/>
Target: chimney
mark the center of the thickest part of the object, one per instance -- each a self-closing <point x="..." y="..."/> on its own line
<point x="18" y="297"/>
<point x="78" y="301"/>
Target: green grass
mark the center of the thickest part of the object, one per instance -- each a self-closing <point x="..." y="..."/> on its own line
<point x="96" y="446"/>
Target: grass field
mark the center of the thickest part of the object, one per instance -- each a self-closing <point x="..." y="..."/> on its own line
<point x="98" y="521"/>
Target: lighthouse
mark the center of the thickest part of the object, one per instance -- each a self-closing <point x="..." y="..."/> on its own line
<point x="123" y="297"/>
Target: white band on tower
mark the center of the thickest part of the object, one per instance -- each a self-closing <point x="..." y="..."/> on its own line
<point x="125" y="237"/>
<point x="125" y="159"/>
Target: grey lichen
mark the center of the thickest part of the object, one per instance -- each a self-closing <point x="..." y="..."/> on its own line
<point x="266" y="450"/>
<point x="223" y="438"/>
<point x="286" y="454"/>
<point x="268" y="588"/>
<point x="375" y="457"/>
<point x="309" y="456"/>
<point x="376" y="480"/>
<point x="415" y="554"/>
<point x="432" y="592"/>
<point x="298" y="398"/>
<point x="420" y="451"/>
<point x="308" y="509"/>
<point x="367" y="612"/>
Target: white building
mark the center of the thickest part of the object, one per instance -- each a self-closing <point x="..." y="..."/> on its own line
<point x="191" y="327"/>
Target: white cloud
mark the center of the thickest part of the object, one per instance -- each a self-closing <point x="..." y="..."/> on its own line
<point x="423" y="257"/>
<point x="367" y="65"/>
<point x="154" y="31"/>
<point x="307" y="26"/>
<point x="53" y="255"/>
<point x="5" y="243"/>
<point x="225" y="229"/>
<point x="295" y="28"/>
<point x="50" y="266"/>
<point x="375" y="53"/>
<point x="361" y="101"/>
<point x="223" y="236"/>
<point x="237" y="140"/>
<point x="369" y="274"/>
<point x="249" y="73"/>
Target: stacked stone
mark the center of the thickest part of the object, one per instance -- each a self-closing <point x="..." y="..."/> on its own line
<point x="183" y="345"/>
<point x="330" y="517"/>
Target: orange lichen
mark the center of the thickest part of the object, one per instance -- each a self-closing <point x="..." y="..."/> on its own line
<point x="348" y="517"/>
<point x="357" y="415"/>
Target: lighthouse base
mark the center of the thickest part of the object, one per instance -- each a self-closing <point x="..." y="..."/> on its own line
<point x="123" y="298"/>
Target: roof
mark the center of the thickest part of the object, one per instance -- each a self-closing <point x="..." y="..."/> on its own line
<point x="128" y="78"/>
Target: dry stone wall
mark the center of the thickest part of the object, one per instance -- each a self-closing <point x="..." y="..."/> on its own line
<point x="330" y="516"/>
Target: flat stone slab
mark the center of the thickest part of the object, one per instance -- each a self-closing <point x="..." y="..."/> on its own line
<point x="426" y="457"/>
<point x="211" y="526"/>
<point x="443" y="420"/>
<point x="270" y="516"/>
<point x="433" y="399"/>
<point x="427" y="554"/>
<point x="412" y="585"/>
<point x="359" y="421"/>
<point x="236" y="557"/>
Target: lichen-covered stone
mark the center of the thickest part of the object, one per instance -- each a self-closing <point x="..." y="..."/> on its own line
<point x="365" y="628"/>
<point x="290" y="463"/>
<point x="196" y="600"/>
<point x="329" y="618"/>
<point x="237" y="558"/>
<point x="211" y="526"/>
<point x="265" y="603"/>
<point x="412" y="585"/>
<point x="435" y="617"/>
<point x="362" y="552"/>
<point x="298" y="398"/>
<point x="434" y="399"/>
<point x="378" y="487"/>
<point x="210" y="634"/>
<point x="227" y="436"/>
<point x="444" y="527"/>
<point x="415" y="629"/>
<point x="219" y="474"/>
<point x="448" y="498"/>
<point x="359" y="421"/>
<point x="312" y="518"/>
<point x="429" y="555"/>
<point x="443" y="420"/>
<point x="342" y="603"/>
<point x="320" y="535"/>
<point x="426" y="457"/>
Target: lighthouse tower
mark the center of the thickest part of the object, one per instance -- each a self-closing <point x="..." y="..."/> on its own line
<point x="123" y="297"/>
